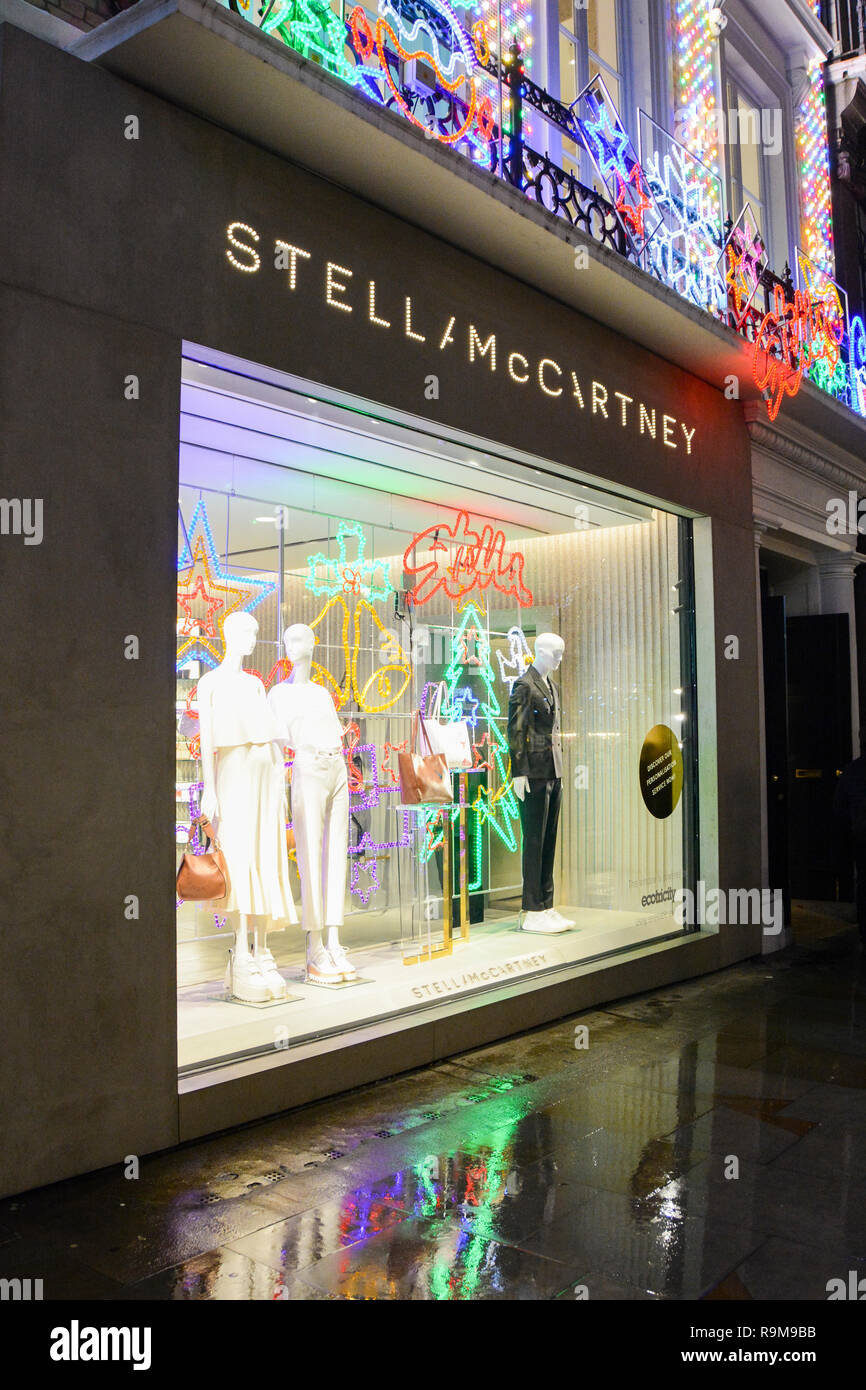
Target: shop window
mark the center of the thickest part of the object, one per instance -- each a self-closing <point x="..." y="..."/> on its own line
<point x="417" y="565"/>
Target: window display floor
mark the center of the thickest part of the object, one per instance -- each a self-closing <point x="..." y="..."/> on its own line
<point x="213" y="1029"/>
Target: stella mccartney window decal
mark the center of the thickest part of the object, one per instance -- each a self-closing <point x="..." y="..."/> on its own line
<point x="480" y="562"/>
<point x="482" y="349"/>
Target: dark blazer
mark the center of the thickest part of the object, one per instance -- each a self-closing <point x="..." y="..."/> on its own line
<point x="534" y="736"/>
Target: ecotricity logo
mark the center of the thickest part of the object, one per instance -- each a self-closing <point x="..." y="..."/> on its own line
<point x="77" y="1343"/>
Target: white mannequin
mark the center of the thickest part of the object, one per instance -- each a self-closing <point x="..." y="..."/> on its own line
<point x="244" y="796"/>
<point x="307" y="721"/>
<point x="549" y="650"/>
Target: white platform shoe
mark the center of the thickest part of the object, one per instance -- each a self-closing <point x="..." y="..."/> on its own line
<point x="245" y="980"/>
<point x="272" y="977"/>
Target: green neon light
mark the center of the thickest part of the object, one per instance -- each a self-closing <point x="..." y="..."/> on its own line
<point x="347" y="574"/>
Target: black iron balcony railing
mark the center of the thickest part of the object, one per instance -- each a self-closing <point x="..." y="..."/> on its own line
<point x="509" y="126"/>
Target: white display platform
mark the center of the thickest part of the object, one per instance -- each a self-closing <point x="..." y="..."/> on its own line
<point x="496" y="953"/>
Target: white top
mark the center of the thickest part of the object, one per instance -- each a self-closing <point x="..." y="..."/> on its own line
<point x="305" y="715"/>
<point x="239" y="708"/>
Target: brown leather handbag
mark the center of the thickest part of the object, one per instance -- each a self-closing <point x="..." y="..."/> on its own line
<point x="424" y="777"/>
<point x="203" y="877"/>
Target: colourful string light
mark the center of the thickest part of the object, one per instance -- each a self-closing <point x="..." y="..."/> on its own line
<point x="694" y="51"/>
<point x="816" y="207"/>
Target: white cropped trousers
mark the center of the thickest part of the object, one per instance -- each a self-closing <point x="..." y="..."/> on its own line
<point x="320" y="817"/>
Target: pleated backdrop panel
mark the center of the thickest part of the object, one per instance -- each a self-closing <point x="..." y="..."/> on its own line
<point x="614" y="590"/>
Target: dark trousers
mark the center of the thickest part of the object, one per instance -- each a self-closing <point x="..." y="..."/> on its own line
<point x="539" y="817"/>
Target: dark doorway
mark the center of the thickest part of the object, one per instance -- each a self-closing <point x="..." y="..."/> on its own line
<point x="776" y="725"/>
<point x="819" y="746"/>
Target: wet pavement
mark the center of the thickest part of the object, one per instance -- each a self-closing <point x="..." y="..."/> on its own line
<point x="709" y="1142"/>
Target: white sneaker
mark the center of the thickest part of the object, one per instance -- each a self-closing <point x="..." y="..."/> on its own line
<point x="245" y="980"/>
<point x="342" y="962"/>
<point x="557" y="917"/>
<point x="542" y="923"/>
<point x="321" y="967"/>
<point x="272" y="977"/>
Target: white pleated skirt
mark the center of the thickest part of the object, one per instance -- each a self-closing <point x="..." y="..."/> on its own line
<point x="251" y="792"/>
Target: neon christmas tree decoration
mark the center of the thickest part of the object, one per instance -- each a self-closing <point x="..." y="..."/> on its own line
<point x="497" y="809"/>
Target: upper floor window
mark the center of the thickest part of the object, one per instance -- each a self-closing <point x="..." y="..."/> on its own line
<point x="748" y="176"/>
<point x="590" y="43"/>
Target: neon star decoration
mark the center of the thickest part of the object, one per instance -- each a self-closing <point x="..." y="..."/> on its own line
<point x="387" y="769"/>
<point x="742" y="263"/>
<point x="349" y="574"/>
<point x="479" y="562"/>
<point x="465" y="706"/>
<point x="607" y="140"/>
<point x="479" y="763"/>
<point x="201" y="577"/>
<point x="364" y="892"/>
<point x="632" y="204"/>
<point x="201" y="626"/>
<point x="616" y="162"/>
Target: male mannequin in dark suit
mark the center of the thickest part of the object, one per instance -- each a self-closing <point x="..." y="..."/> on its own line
<point x="535" y="743"/>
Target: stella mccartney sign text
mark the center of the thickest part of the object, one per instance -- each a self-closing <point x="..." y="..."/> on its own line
<point x="389" y="311"/>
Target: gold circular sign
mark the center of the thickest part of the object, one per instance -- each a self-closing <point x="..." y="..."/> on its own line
<point x="661" y="771"/>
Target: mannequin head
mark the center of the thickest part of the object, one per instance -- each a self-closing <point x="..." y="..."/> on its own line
<point x="299" y="641"/>
<point x="548" y="653"/>
<point x="240" y="631"/>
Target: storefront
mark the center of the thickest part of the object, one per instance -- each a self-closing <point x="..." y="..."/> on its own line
<point x="240" y="389"/>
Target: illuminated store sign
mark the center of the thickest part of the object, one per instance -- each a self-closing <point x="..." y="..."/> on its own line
<point x="391" y="310"/>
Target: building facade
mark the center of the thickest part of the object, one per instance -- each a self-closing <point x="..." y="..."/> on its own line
<point x="434" y="330"/>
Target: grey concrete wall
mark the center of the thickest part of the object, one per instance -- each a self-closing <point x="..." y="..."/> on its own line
<point x="111" y="252"/>
<point x="88" y="1064"/>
